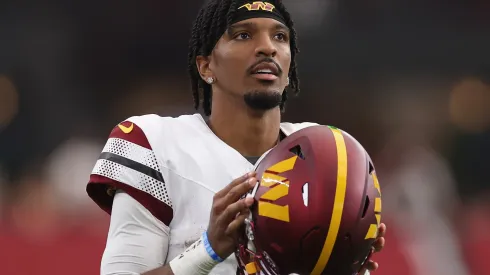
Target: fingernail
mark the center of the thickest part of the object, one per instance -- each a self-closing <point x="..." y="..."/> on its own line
<point x="252" y="181"/>
<point x="249" y="201"/>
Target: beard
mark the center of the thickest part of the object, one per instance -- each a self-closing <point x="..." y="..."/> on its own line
<point x="263" y="100"/>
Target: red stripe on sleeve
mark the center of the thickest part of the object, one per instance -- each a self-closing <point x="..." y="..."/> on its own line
<point x="99" y="189"/>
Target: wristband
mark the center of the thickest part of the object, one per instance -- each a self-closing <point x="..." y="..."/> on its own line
<point x="209" y="249"/>
<point x="195" y="260"/>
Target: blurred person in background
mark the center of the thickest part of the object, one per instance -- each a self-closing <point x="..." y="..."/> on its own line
<point x="159" y="177"/>
<point x="470" y="113"/>
<point x="422" y="191"/>
<point x="420" y="188"/>
<point x="74" y="159"/>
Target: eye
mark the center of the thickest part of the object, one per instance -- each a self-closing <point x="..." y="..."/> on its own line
<point x="281" y="36"/>
<point x="242" y="36"/>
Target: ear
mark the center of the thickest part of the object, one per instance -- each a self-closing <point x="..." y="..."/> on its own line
<point x="202" y="63"/>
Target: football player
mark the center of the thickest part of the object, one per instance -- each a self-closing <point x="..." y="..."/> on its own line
<point x="166" y="181"/>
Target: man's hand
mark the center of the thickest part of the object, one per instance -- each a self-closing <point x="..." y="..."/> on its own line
<point x="377" y="246"/>
<point x="228" y="214"/>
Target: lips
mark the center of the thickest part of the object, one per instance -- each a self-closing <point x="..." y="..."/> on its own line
<point x="266" y="68"/>
<point x="265" y="71"/>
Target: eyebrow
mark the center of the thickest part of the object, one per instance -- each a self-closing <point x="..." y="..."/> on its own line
<point x="252" y="25"/>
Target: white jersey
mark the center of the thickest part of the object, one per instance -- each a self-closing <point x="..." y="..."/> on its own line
<point x="172" y="167"/>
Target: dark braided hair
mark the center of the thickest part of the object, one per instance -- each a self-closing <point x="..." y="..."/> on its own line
<point x="211" y="22"/>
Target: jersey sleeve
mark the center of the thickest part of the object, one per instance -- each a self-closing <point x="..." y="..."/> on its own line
<point x="137" y="241"/>
<point x="128" y="163"/>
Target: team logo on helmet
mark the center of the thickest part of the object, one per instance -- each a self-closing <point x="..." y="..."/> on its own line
<point x="258" y="5"/>
<point x="373" y="228"/>
<point x="278" y="188"/>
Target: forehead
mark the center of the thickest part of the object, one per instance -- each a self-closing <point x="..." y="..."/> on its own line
<point x="259" y="23"/>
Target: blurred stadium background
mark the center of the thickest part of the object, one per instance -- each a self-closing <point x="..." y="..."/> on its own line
<point x="410" y="79"/>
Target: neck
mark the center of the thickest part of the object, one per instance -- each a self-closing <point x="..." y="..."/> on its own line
<point x="251" y="133"/>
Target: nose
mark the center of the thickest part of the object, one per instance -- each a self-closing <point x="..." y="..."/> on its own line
<point x="265" y="47"/>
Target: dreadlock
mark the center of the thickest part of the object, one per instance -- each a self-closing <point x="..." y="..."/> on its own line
<point x="211" y="22"/>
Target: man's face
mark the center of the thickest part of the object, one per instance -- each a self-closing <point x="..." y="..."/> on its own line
<point x="251" y="60"/>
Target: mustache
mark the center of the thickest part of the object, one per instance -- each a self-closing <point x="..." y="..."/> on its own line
<point x="265" y="60"/>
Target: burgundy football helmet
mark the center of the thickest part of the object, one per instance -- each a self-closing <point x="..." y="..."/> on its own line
<point x="317" y="207"/>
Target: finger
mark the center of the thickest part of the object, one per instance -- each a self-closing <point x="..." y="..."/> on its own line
<point x="369" y="265"/>
<point x="372" y="266"/>
<point x="379" y="244"/>
<point x="234" y="183"/>
<point x="237" y="223"/>
<point x="239" y="190"/>
<point x="365" y="264"/>
<point x="382" y="230"/>
<point x="233" y="209"/>
<point x="233" y="195"/>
